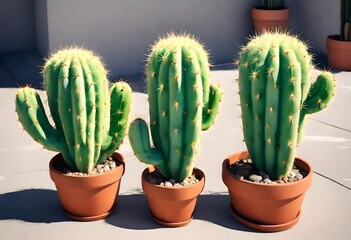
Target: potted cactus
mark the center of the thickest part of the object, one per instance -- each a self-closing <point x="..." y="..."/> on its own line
<point x="181" y="104"/>
<point x="272" y="14"/>
<point x="339" y="46"/>
<point x="275" y="97"/>
<point x="90" y="125"/>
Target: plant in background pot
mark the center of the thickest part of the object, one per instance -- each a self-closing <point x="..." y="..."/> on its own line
<point x="272" y="14"/>
<point x="267" y="184"/>
<point x="90" y="125"/>
<point x="339" y="46"/>
<point x="181" y="104"/>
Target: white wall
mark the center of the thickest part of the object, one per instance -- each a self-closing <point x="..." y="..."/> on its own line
<point x="41" y="27"/>
<point x="16" y="25"/>
<point x="315" y="20"/>
<point x="122" y="30"/>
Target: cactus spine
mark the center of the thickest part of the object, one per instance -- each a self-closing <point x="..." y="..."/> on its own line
<point x="181" y="103"/>
<point x="275" y="95"/>
<point x="90" y="124"/>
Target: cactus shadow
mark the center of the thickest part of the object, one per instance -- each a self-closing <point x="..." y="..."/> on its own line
<point x="215" y="208"/>
<point x="32" y="205"/>
<point x="132" y="212"/>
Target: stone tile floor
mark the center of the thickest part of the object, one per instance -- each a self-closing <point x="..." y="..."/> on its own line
<point x="30" y="209"/>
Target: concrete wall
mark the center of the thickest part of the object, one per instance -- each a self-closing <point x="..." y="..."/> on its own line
<point x="17" y="25"/>
<point x="122" y="30"/>
<point x="41" y="27"/>
<point x="315" y="20"/>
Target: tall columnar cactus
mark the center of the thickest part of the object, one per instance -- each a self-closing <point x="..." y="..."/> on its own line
<point x="345" y="18"/>
<point x="275" y="95"/>
<point x="181" y="103"/>
<point x="90" y="124"/>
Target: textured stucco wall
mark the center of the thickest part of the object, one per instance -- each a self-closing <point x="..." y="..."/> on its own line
<point x="17" y="25"/>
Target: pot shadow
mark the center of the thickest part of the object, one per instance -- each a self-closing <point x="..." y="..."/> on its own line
<point x="132" y="212"/>
<point x="32" y="205"/>
<point x="215" y="208"/>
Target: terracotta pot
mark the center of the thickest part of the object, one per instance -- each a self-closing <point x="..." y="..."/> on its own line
<point x="266" y="207"/>
<point x="172" y="206"/>
<point x="270" y="19"/>
<point x="88" y="198"/>
<point x="339" y="53"/>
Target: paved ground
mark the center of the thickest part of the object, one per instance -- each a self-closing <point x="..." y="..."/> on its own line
<point x="30" y="209"/>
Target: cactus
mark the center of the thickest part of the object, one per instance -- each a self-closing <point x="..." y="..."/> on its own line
<point x="181" y="103"/>
<point x="345" y="18"/>
<point x="272" y="4"/>
<point x="275" y="95"/>
<point x="88" y="127"/>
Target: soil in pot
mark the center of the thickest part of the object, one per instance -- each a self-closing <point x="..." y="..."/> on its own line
<point x="87" y="197"/>
<point x="246" y="169"/>
<point x="172" y="206"/>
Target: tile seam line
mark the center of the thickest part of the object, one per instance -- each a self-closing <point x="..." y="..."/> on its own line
<point x="332" y="180"/>
<point x="331" y="125"/>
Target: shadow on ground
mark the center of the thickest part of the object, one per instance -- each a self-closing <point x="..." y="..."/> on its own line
<point x="133" y="212"/>
<point x="32" y="205"/>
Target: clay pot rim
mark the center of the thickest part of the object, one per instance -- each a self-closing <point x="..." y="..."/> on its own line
<point x="152" y="168"/>
<point x="244" y="181"/>
<point x="117" y="154"/>
<point x="337" y="43"/>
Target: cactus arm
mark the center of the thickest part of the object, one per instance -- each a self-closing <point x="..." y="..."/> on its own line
<point x="153" y="85"/>
<point x="32" y="116"/>
<point x="210" y="111"/>
<point x="320" y="94"/>
<point x="121" y="95"/>
<point x="52" y="69"/>
<point x="140" y="142"/>
<point x="289" y="110"/>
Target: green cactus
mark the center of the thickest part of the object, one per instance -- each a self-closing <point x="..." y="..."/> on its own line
<point x="181" y="103"/>
<point x="275" y="95"/>
<point x="345" y="19"/>
<point x="88" y="127"/>
<point x="272" y="4"/>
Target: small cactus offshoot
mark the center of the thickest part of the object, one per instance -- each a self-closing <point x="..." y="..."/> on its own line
<point x="90" y="123"/>
<point x="275" y="96"/>
<point x="181" y="104"/>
